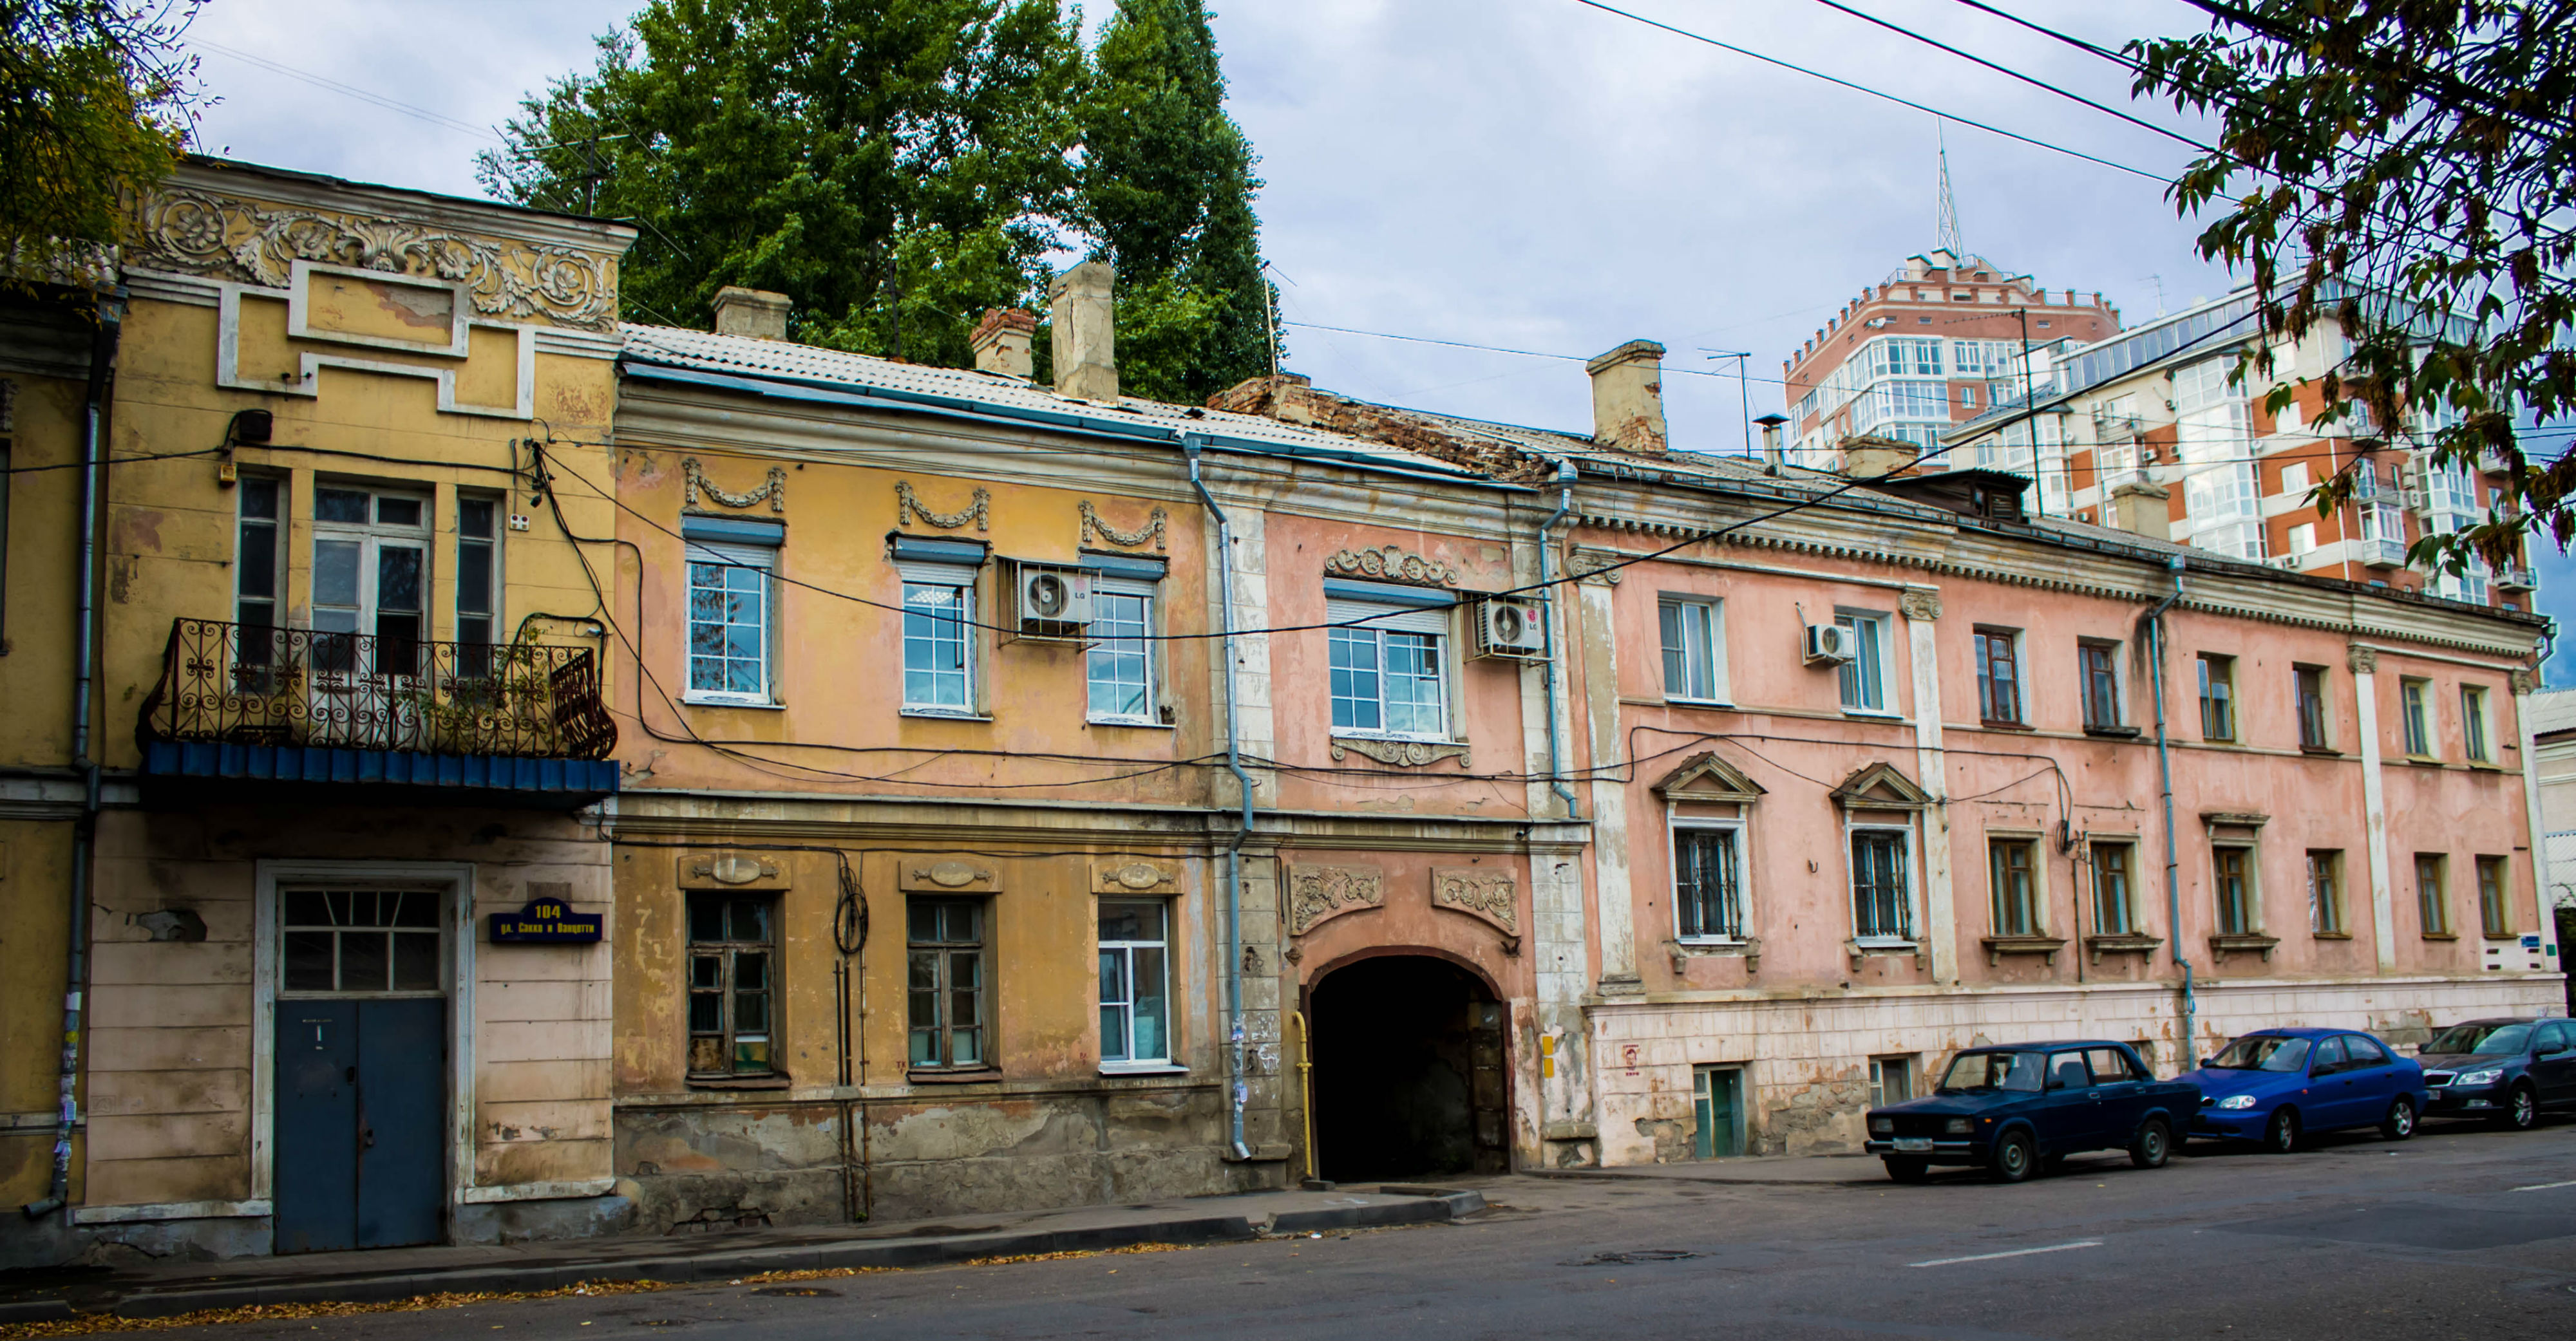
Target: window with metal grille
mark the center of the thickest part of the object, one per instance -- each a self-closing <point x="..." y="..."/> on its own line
<point x="1707" y="895"/>
<point x="1882" y="904"/>
<point x="947" y="984"/>
<point x="733" y="984"/>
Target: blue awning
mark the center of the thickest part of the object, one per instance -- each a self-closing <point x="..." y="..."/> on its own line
<point x="555" y="779"/>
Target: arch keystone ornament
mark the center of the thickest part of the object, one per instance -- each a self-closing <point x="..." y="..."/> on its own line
<point x="1318" y="894"/>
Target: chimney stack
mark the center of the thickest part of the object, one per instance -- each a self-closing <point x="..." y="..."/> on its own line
<point x="1628" y="398"/>
<point x="2140" y="508"/>
<point x="757" y="313"/>
<point x="1005" y="342"/>
<point x="1082" y="302"/>
<point x="1869" y="457"/>
<point x="1773" y="457"/>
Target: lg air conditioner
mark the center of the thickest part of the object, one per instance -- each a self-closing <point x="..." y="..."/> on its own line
<point x="1050" y="601"/>
<point x="1512" y="627"/>
<point x="1829" y="643"/>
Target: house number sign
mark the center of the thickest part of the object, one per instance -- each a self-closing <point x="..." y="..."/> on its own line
<point x="544" y="922"/>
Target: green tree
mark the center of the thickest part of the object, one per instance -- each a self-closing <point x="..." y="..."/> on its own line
<point x="96" y="104"/>
<point x="893" y="166"/>
<point x="2407" y="168"/>
<point x="1166" y="194"/>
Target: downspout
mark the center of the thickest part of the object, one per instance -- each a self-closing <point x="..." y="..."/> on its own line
<point x="1238" y="1089"/>
<point x="1547" y="630"/>
<point x="102" y="359"/>
<point x="2153" y="619"/>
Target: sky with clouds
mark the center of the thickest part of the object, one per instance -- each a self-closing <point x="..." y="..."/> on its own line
<point x="1540" y="175"/>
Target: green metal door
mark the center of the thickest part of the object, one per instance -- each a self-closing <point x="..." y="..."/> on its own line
<point x="1717" y="1111"/>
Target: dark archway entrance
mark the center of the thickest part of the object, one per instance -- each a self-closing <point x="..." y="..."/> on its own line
<point x="1408" y="1071"/>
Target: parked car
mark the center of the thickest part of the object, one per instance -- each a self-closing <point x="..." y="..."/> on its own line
<point x="2507" y="1071"/>
<point x="2012" y="1108"/>
<point x="2280" y="1086"/>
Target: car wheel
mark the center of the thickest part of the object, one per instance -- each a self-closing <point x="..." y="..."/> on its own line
<point x="2281" y="1134"/>
<point x="2400" y="1122"/>
<point x="2152" y="1146"/>
<point x="1907" y="1170"/>
<point x="2014" y="1158"/>
<point x="2521" y="1110"/>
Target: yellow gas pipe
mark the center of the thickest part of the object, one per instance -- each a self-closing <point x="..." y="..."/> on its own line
<point x="1306" y="1086"/>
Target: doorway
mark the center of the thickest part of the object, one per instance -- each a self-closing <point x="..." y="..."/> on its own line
<point x="1717" y="1111"/>
<point x="1409" y="1078"/>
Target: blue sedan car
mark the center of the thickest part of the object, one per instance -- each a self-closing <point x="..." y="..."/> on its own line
<point x="2279" y="1086"/>
<point x="2018" y="1108"/>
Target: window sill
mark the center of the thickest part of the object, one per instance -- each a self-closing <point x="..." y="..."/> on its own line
<point x="1674" y="701"/>
<point x="1132" y="723"/>
<point x="1874" y="714"/>
<point x="1143" y="1069"/>
<point x="2121" y="942"/>
<point x="2330" y="935"/>
<point x="2239" y="942"/>
<point x="2322" y="751"/>
<point x="984" y="1075"/>
<point x="2441" y="935"/>
<point x="2485" y="766"/>
<point x="2045" y="946"/>
<point x="2113" y="732"/>
<point x="944" y="714"/>
<point x="2421" y="760"/>
<point x="714" y="701"/>
<point x="1396" y="740"/>
<point x="771" y="1082"/>
<point x="2504" y="937"/>
<point x="2007" y="726"/>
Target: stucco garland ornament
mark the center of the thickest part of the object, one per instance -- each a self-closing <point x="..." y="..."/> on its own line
<point x="1392" y="564"/>
<point x="908" y="508"/>
<point x="1093" y="524"/>
<point x="1491" y="895"/>
<point x="774" y="492"/>
<point x="1316" y="893"/>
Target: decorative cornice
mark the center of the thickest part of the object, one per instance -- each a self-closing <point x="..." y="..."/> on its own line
<point x="1153" y="529"/>
<point x="1393" y="563"/>
<point x="201" y="232"/>
<point x="695" y="481"/>
<point x="908" y="509"/>
<point x="1401" y="753"/>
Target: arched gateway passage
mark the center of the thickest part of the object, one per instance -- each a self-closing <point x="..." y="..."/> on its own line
<point x="1408" y="1071"/>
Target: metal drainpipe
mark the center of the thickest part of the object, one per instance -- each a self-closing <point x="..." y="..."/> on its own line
<point x="102" y="357"/>
<point x="1238" y="1087"/>
<point x="2154" y="622"/>
<point x="1547" y="629"/>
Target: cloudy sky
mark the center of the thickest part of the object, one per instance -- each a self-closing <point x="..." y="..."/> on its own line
<point x="1534" y="174"/>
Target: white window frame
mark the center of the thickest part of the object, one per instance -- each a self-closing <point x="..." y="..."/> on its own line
<point x="1903" y="1064"/>
<point x="1130" y="587"/>
<point x="1677" y="826"/>
<point x="1131" y="1064"/>
<point x="1912" y="891"/>
<point x="2477" y="724"/>
<point x="962" y="578"/>
<point x="1886" y="663"/>
<point x="1711" y="648"/>
<point x="764" y="559"/>
<point x="371" y="537"/>
<point x="1435" y="622"/>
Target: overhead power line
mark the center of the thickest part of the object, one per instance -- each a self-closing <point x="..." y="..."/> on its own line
<point x="2157" y="177"/>
<point x="347" y="90"/>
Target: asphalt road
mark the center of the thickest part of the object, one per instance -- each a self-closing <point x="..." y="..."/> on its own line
<point x="2457" y="1233"/>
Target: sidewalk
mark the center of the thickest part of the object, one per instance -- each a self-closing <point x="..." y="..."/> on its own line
<point x="160" y="1289"/>
<point x="1754" y="1170"/>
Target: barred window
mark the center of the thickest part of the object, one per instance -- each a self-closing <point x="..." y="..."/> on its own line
<point x="1707" y="885"/>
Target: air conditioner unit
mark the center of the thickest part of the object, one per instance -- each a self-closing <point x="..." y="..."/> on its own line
<point x="1513" y="627"/>
<point x="1050" y="601"/>
<point x="1829" y="642"/>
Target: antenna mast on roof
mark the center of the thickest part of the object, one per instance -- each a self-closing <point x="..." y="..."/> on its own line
<point x="1947" y="226"/>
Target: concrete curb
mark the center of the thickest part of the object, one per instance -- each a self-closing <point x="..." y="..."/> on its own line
<point x="1621" y="1176"/>
<point x="698" y="1268"/>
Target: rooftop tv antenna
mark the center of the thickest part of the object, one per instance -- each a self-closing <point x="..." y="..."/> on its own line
<point x="1947" y="227"/>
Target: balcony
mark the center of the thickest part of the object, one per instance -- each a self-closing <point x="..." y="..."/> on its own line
<point x="512" y="724"/>
<point x="2381" y="552"/>
<point x="2517" y="579"/>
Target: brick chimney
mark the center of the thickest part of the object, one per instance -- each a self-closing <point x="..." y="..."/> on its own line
<point x="1082" y="303"/>
<point x="1005" y="342"/>
<point x="1868" y="457"/>
<point x="758" y="313"/>
<point x="1628" y="398"/>
<point x="2140" y="508"/>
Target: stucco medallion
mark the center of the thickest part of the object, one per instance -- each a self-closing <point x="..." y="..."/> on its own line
<point x="695" y="481"/>
<point x="1392" y="563"/>
<point x="951" y="874"/>
<point x="1134" y="877"/>
<point x="1919" y="603"/>
<point x="1490" y="895"/>
<point x="1317" y="894"/>
<point x="698" y="870"/>
<point x="1401" y="753"/>
<point x="908" y="509"/>
<point x="1093" y="524"/>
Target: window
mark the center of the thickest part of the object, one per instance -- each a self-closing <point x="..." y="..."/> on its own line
<point x="1891" y="1080"/>
<point x="2325" y="892"/>
<point x="2294" y="480"/>
<point x="1388" y="676"/>
<point x="732" y="984"/>
<point x="2473" y="723"/>
<point x="377" y="942"/>
<point x="2011" y="867"/>
<point x="2217" y="697"/>
<point x="370" y="575"/>
<point x="1998" y="676"/>
<point x="2416" y="717"/>
<point x="478" y="568"/>
<point x="2311" y="685"/>
<point x="1121" y="659"/>
<point x="1967" y="398"/>
<point x="1707" y="890"/>
<point x="2114" y="898"/>
<point x="2303" y="538"/>
<point x="1882" y="903"/>
<point x="1693" y="643"/>
<point x="2098" y="666"/>
<point x="946" y="983"/>
<point x="2432" y="905"/>
<point x="255" y="560"/>
<point x="1135" y="992"/>
<point x="2237" y="914"/>
<point x="729" y="610"/>
<point x="1864" y="677"/>
<point x="938" y="639"/>
<point x="2495" y="915"/>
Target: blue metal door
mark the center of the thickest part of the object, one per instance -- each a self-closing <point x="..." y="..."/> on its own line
<point x="361" y="1094"/>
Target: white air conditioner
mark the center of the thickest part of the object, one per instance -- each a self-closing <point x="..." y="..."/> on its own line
<point x="1513" y="627"/>
<point x="1050" y="601"/>
<point x="1829" y="642"/>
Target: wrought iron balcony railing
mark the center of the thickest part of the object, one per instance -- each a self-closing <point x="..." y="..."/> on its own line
<point x="239" y="684"/>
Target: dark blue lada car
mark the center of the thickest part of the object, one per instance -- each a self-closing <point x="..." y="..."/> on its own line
<point x="2278" y="1086"/>
<point x="2009" y="1108"/>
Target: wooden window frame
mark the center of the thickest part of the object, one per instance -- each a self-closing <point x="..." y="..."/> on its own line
<point x="725" y="951"/>
<point x="2308" y="688"/>
<point x="1997" y="648"/>
<point x="2249" y="899"/>
<point x="940" y="952"/>
<point x="2097" y="672"/>
<point x="2216" y="672"/>
<point x="2326" y="911"/>
<point x="2495" y="897"/>
<point x="2433" y="898"/>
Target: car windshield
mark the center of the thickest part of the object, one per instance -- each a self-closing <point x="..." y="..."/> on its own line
<point x="2492" y="1039"/>
<point x="1992" y="1071"/>
<point x="2263" y="1052"/>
